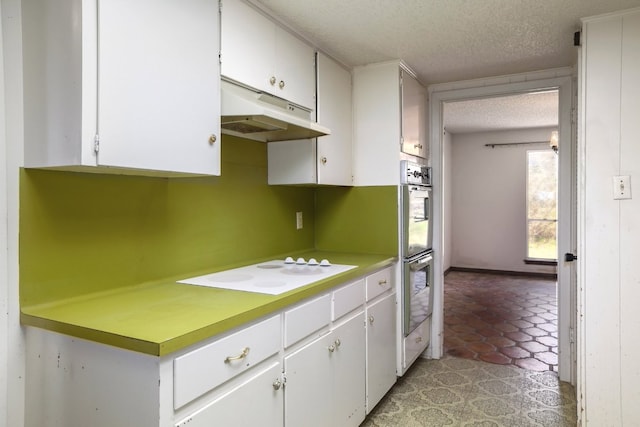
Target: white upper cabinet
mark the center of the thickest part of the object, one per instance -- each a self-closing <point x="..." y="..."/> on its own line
<point x="327" y="159"/>
<point x="389" y="108"/>
<point x="259" y="53"/>
<point x="414" y="117"/>
<point x="123" y="87"/>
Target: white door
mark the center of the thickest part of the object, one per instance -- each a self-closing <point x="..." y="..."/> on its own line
<point x="566" y="213"/>
<point x="256" y="402"/>
<point x="248" y="45"/>
<point x="158" y="85"/>
<point x="334" y="111"/>
<point x="349" y="373"/>
<point x="308" y="385"/>
<point x="381" y="357"/>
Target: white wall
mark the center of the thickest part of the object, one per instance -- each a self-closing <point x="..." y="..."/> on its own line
<point x="609" y="230"/>
<point x="488" y="206"/>
<point x="447" y="199"/>
<point x="3" y="248"/>
<point x="11" y="130"/>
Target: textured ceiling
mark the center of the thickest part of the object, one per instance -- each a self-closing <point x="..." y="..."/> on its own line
<point x="445" y="40"/>
<point x="508" y="112"/>
<point x="452" y="40"/>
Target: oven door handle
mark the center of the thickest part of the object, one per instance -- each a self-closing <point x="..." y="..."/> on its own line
<point x="420" y="263"/>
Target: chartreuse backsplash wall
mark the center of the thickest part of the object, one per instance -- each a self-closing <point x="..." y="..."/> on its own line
<point x="83" y="233"/>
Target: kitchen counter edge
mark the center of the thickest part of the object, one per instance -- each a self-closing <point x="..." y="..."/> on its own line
<point x="46" y="317"/>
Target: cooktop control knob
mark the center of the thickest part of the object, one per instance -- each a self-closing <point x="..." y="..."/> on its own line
<point x="325" y="263"/>
<point x="301" y="261"/>
<point x="312" y="261"/>
<point x="288" y="260"/>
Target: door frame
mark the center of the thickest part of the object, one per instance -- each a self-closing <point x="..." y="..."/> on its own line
<point x="561" y="79"/>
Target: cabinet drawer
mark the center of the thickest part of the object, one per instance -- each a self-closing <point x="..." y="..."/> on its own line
<point x="347" y="299"/>
<point x="205" y="368"/>
<point x="306" y="319"/>
<point x="416" y="342"/>
<point x="258" y="391"/>
<point x="378" y="283"/>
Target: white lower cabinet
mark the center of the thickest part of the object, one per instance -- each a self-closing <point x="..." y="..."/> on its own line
<point x="416" y="342"/>
<point x="312" y="364"/>
<point x="255" y="402"/>
<point x="325" y="379"/>
<point x="381" y="356"/>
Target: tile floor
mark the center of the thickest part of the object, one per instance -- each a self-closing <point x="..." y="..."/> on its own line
<point x="458" y="392"/>
<point x="506" y="320"/>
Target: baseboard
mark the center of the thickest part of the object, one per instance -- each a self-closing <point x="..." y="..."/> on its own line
<point x="553" y="276"/>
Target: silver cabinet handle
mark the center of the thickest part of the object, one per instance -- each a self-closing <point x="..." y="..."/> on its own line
<point x="332" y="348"/>
<point x="418" y="146"/>
<point x="371" y="319"/>
<point x="323" y="160"/>
<point x="212" y="139"/>
<point x="281" y="84"/>
<point x="382" y="282"/>
<point x="241" y="356"/>
<point x="272" y="80"/>
<point x="418" y="340"/>
<point x="337" y="343"/>
<point x="277" y="384"/>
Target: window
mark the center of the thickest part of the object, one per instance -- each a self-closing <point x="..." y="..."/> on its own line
<point x="542" y="197"/>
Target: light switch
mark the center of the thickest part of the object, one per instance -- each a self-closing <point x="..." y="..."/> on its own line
<point x="621" y="187"/>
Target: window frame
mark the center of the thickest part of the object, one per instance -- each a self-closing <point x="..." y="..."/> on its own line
<point x="529" y="259"/>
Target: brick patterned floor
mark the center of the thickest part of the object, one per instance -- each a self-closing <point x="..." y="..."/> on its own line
<point x="508" y="320"/>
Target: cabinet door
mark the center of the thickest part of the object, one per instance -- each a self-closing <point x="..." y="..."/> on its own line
<point x="334" y="111"/>
<point x="158" y="85"/>
<point x="381" y="349"/>
<point x="256" y="402"/>
<point x="349" y="373"/>
<point x="308" y="399"/>
<point x="414" y="104"/>
<point x="295" y="70"/>
<point x="248" y="45"/>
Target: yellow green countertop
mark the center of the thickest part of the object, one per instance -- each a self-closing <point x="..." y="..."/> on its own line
<point x="163" y="317"/>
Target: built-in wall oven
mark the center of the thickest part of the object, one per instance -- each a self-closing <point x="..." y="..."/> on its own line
<point x="415" y="240"/>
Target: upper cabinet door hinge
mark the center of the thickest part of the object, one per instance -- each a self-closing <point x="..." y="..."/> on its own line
<point x="96" y="143"/>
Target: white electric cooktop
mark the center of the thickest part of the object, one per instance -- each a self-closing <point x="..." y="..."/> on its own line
<point x="271" y="277"/>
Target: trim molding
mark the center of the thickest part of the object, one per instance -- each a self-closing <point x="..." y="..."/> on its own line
<point x="504" y="272"/>
<point x="540" y="262"/>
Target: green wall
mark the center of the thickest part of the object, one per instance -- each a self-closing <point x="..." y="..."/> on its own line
<point x="83" y="233"/>
<point x="357" y="219"/>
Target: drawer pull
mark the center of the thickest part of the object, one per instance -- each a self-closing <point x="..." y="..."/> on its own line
<point x="332" y="348"/>
<point x="382" y="282"/>
<point x="371" y="319"/>
<point x="277" y="384"/>
<point x="338" y="343"/>
<point x="241" y="356"/>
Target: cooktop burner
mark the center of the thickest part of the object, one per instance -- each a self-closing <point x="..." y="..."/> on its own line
<point x="271" y="277"/>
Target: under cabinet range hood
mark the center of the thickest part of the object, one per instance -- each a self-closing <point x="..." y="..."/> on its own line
<point x="262" y="117"/>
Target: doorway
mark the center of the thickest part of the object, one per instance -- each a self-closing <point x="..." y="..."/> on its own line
<point x="557" y="80"/>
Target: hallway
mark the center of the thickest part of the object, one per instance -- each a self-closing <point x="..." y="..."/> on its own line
<point x="501" y="319"/>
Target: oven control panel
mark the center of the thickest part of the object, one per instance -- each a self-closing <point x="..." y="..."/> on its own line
<point x="413" y="173"/>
